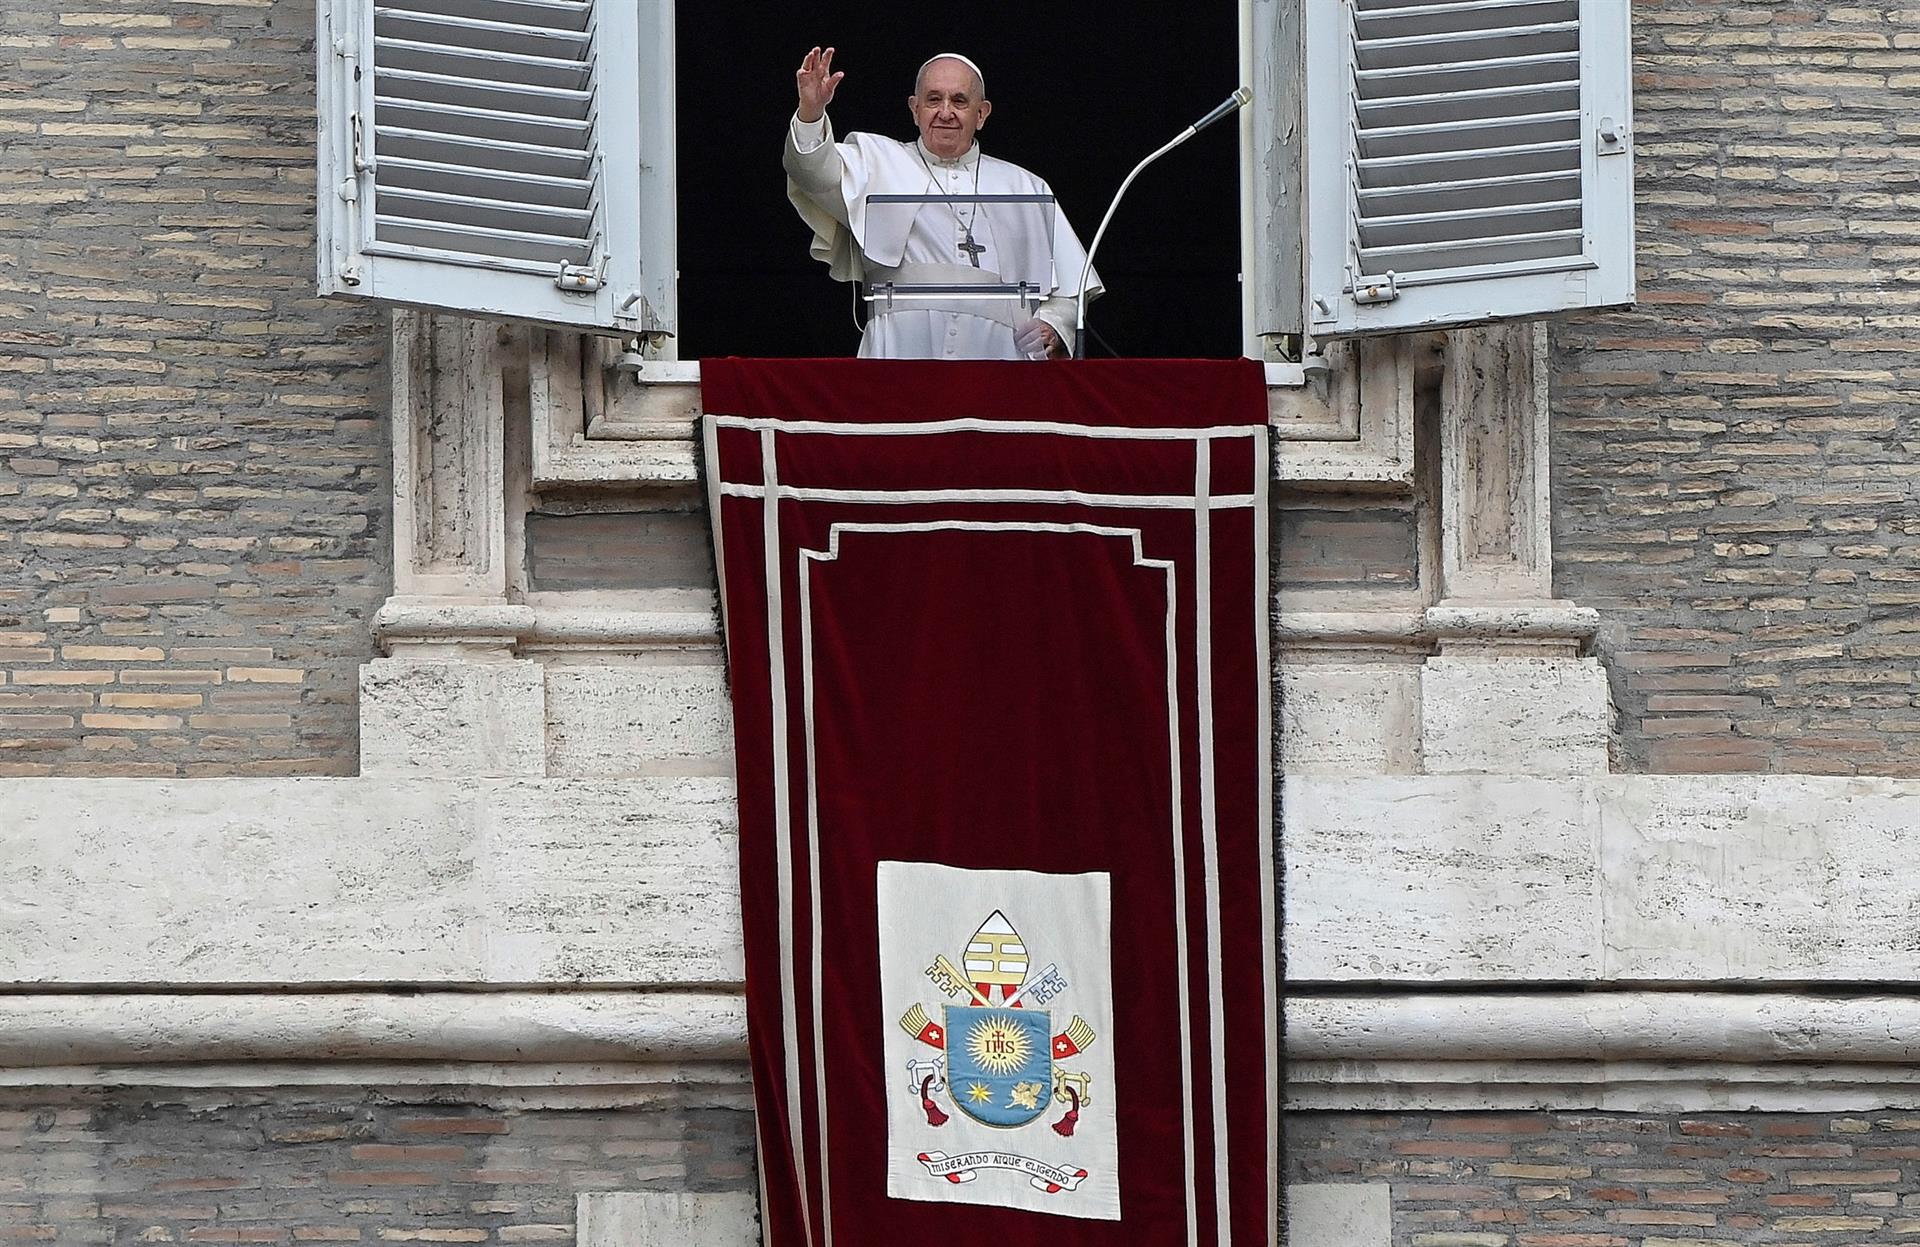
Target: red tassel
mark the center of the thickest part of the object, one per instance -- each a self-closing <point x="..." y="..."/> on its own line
<point x="934" y="1116"/>
<point x="1064" y="1127"/>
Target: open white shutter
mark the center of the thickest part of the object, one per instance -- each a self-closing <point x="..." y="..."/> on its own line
<point x="1467" y="161"/>
<point x="504" y="158"/>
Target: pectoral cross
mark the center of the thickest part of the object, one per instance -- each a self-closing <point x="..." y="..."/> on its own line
<point x="973" y="249"/>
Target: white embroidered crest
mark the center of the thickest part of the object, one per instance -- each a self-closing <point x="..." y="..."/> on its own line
<point x="994" y="1040"/>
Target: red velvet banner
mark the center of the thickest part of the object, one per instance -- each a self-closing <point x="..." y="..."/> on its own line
<point x="997" y="641"/>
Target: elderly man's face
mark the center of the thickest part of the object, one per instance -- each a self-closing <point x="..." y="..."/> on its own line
<point x="948" y="109"/>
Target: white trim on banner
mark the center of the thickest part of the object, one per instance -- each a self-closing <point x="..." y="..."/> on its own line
<point x="832" y="551"/>
<point x="710" y="439"/>
<point x="912" y="497"/>
<point x="1210" y="823"/>
<point x="782" y="806"/>
<point x="1137" y="540"/>
<point x="1181" y="944"/>
<point x="978" y="424"/>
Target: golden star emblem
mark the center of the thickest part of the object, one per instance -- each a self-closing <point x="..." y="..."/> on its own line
<point x="978" y="1093"/>
<point x="1025" y="1095"/>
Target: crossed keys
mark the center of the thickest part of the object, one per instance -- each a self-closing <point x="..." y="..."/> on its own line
<point x="947" y="977"/>
<point x="951" y="981"/>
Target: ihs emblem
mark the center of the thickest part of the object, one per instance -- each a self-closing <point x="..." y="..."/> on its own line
<point x="997" y="1052"/>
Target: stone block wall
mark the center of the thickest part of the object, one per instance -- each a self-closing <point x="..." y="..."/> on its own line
<point x="193" y="459"/>
<point x="1734" y="460"/>
<point x="372" y="1166"/>
<point x="1624" y="1180"/>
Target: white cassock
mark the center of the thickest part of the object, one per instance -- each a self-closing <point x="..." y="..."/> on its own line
<point x="829" y="183"/>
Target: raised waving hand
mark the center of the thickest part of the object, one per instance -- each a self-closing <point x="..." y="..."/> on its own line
<point x="816" y="82"/>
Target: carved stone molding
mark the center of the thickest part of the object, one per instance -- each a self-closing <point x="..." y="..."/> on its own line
<point x="1350" y="425"/>
<point x="517" y="1026"/>
<point x="451" y="699"/>
<point x="1496" y="521"/>
<point x="491" y="690"/>
<point x="449" y="532"/>
<point x="1440" y="1086"/>
<point x="1425" y="631"/>
<point x="595" y="426"/>
<point x="1385" y="692"/>
<point x="1629" y="1051"/>
<point x="520" y="625"/>
<point x="1605" y="1026"/>
<point x="417" y="621"/>
<point x="1455" y="673"/>
<point x="1507" y="691"/>
<point x="1551" y="626"/>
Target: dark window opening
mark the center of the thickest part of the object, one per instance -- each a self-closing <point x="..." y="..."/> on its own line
<point x="1080" y="93"/>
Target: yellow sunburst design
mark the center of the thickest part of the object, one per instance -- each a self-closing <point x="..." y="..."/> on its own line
<point x="998" y="1046"/>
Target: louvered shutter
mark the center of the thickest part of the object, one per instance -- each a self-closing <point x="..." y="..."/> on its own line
<point x="506" y="158"/>
<point x="1467" y="160"/>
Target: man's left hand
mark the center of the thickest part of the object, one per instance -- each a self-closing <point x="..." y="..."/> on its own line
<point x="1041" y="339"/>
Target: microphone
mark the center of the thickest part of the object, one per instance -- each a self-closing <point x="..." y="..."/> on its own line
<point x="1241" y="97"/>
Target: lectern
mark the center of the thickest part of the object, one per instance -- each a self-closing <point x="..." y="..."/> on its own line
<point x="1007" y="242"/>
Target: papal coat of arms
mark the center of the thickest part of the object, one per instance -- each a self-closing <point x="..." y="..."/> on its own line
<point x="993" y="1052"/>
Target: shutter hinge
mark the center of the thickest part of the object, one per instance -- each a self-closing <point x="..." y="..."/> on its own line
<point x="648" y="335"/>
<point x="584" y="278"/>
<point x="349" y="192"/>
<point x="644" y="322"/>
<point x="348" y="188"/>
<point x="1368" y="290"/>
<point x="362" y="161"/>
<point x="1612" y="138"/>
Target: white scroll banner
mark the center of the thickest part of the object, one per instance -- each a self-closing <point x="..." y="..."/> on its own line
<point x="1048" y="1178"/>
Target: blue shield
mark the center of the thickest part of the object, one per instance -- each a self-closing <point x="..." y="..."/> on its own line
<point x="999" y="1063"/>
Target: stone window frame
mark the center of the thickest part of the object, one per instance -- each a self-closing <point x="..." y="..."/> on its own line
<point x="1346" y="421"/>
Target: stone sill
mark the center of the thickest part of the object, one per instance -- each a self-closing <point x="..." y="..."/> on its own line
<point x="1560" y="626"/>
<point x="416" y="621"/>
<point x="687" y="372"/>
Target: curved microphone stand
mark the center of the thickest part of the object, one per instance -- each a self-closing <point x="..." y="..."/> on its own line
<point x="1241" y="97"/>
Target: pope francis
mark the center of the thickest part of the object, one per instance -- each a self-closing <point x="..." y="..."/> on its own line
<point x="951" y="239"/>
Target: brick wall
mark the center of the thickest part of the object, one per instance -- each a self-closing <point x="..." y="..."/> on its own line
<point x="192" y="461"/>
<point x="373" y="1167"/>
<point x="1735" y="460"/>
<point x="193" y="481"/>
<point x="1613" y="1180"/>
